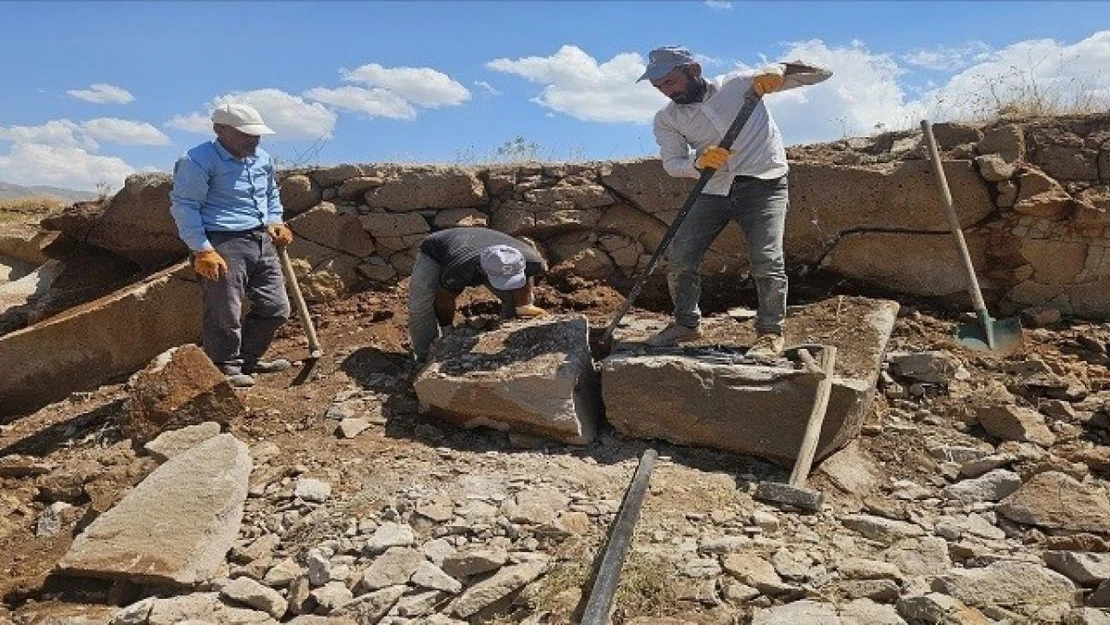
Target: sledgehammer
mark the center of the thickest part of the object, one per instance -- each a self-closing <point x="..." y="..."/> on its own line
<point x="314" y="350"/>
<point x="795" y="492"/>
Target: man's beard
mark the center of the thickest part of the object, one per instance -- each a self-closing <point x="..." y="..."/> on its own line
<point x="693" y="93"/>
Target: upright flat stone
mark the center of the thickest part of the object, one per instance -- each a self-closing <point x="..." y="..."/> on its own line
<point x="534" y="376"/>
<point x="176" y="526"/>
<point x="704" y="394"/>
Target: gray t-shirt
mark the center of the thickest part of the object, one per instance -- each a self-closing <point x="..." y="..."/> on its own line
<point x="457" y="251"/>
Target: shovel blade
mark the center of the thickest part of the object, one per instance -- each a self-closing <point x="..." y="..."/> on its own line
<point x="1000" y="336"/>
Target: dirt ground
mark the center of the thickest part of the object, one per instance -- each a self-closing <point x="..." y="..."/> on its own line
<point x="364" y="337"/>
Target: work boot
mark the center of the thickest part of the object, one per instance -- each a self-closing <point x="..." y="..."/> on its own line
<point x="674" y="333"/>
<point x="235" y="376"/>
<point x="767" y="345"/>
<point x="240" y="380"/>
<point x="267" y="366"/>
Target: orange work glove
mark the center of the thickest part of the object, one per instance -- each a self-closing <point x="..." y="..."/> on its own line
<point x="767" y="82"/>
<point x="209" y="264"/>
<point x="530" y="311"/>
<point x="713" y="158"/>
<point x="280" y="233"/>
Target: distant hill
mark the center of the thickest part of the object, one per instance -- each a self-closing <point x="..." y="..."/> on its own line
<point x="9" y="191"/>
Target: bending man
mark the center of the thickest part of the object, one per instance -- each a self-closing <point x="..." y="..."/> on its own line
<point x="451" y="260"/>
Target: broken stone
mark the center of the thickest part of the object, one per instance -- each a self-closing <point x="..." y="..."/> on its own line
<point x="178" y="388"/>
<point x="1085" y="569"/>
<point x="1008" y="584"/>
<point x="1015" y="423"/>
<point x="396" y="566"/>
<point x="928" y="367"/>
<point x="169" y="444"/>
<point x="489" y="591"/>
<point x="313" y="490"/>
<point x="1057" y="501"/>
<point x="992" y="486"/>
<point x="251" y="593"/>
<point x="994" y="168"/>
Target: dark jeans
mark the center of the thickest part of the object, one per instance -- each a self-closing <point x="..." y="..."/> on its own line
<point x="760" y="208"/>
<point x="253" y="270"/>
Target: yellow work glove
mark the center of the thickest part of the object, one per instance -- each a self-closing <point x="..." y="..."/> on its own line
<point x="530" y="311"/>
<point x="209" y="264"/>
<point x="280" y="233"/>
<point x="767" y="82"/>
<point x="713" y="158"/>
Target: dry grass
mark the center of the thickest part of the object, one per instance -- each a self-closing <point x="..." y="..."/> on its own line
<point x="29" y="209"/>
<point x="38" y="204"/>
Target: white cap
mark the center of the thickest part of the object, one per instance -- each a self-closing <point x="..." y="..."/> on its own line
<point x="504" y="266"/>
<point x="242" y="118"/>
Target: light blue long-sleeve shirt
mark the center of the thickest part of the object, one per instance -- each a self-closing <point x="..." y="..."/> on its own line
<point x="213" y="190"/>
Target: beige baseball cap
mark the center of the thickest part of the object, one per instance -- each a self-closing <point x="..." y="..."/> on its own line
<point x="241" y="117"/>
<point x="504" y="266"/>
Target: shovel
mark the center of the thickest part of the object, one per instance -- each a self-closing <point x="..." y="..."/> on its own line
<point x="1001" y="336"/>
<point x="751" y="100"/>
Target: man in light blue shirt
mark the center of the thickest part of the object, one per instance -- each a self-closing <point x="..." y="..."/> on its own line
<point x="227" y="209"/>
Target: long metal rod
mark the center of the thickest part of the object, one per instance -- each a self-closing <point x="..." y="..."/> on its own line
<point x="751" y="100"/>
<point x="608" y="574"/>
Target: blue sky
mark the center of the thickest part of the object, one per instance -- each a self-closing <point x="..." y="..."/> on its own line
<point x="94" y="91"/>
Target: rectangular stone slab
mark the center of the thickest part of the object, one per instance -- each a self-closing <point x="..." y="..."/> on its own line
<point x="683" y="397"/>
<point x="534" y="377"/>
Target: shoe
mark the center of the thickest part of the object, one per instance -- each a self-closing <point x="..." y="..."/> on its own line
<point x="674" y="333"/>
<point x="267" y="366"/>
<point x="240" y="380"/>
<point x="766" y="346"/>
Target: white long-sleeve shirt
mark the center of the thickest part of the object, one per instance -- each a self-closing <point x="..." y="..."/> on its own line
<point x="758" y="150"/>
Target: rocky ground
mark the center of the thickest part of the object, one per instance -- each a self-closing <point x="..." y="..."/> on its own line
<point x="977" y="493"/>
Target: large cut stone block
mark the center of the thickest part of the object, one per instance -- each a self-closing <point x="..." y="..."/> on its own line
<point x="95" y="342"/>
<point x="704" y="393"/>
<point x="176" y="526"/>
<point x="535" y="377"/>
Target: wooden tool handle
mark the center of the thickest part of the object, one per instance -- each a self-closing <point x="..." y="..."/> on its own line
<point x="816" y="419"/>
<point x="314" y="349"/>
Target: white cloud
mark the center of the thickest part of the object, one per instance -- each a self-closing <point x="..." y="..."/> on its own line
<point x="1041" y="72"/>
<point x="102" y="93"/>
<point x="70" y="167"/>
<point x="577" y="85"/>
<point x="59" y="133"/>
<point x="124" y="131"/>
<point x="487" y="88"/>
<point x="191" y="122"/>
<point x="422" y="86"/>
<point x="862" y="96"/>
<point x="374" y="102"/>
<point x="288" y="115"/>
<point x="718" y="4"/>
<point x="946" y="58"/>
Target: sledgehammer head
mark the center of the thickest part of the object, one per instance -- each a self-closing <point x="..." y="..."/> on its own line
<point x="797" y="496"/>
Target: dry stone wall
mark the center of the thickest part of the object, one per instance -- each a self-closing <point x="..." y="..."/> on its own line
<point x="1032" y="197"/>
